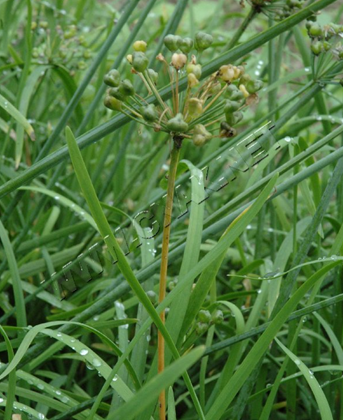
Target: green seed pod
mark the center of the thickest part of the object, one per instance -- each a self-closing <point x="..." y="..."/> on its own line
<point x="177" y="124"/>
<point x="192" y="80"/>
<point x="215" y="88"/>
<point x="35" y="52"/>
<point x="315" y="30"/>
<point x="234" y="118"/>
<point x="126" y="88"/>
<point x="152" y="296"/>
<point x="81" y="65"/>
<point x="171" y="285"/>
<point x="326" y="46"/>
<point x="201" y="328"/>
<point x="116" y="94"/>
<point x="202" y="41"/>
<point x="112" y="103"/>
<point x="201" y="129"/>
<point x="231" y="106"/>
<point x="172" y="42"/>
<point x="140" y="46"/>
<point x="245" y="78"/>
<point x="87" y="54"/>
<point x="153" y="76"/>
<point x="43" y="24"/>
<point x="254" y="85"/>
<point x="112" y="78"/>
<point x="33" y="26"/>
<point x="204" y="316"/>
<point x="233" y="93"/>
<point x="198" y="140"/>
<point x="194" y="69"/>
<point x="217" y="317"/>
<point x="149" y="113"/>
<point x="194" y="108"/>
<point x="316" y="47"/>
<point x="82" y="40"/>
<point x="139" y="61"/>
<point x="186" y="45"/>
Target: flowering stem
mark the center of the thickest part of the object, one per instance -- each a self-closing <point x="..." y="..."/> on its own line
<point x="164" y="260"/>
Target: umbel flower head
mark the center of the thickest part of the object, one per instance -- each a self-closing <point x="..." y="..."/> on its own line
<point x="210" y="106"/>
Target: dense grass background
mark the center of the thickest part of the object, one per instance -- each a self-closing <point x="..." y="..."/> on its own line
<point x="78" y="332"/>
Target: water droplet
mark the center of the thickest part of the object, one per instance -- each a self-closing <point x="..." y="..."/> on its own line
<point x="307" y="69"/>
<point x="58" y="393"/>
<point x="65" y="399"/>
<point x="257" y="73"/>
<point x="288" y="139"/>
<point x="89" y="367"/>
<point x="297" y="362"/>
<point x="56" y="197"/>
<point x="115" y="378"/>
<point x="83" y="352"/>
<point x="259" y="291"/>
<point x="95" y="318"/>
<point x="260" y="62"/>
<point x="148" y="338"/>
<point x="1" y="400"/>
<point x="59" y="335"/>
<point x="40" y="386"/>
<point x="41" y="416"/>
<point x="334" y="257"/>
<point x="319" y="118"/>
<point x="96" y="362"/>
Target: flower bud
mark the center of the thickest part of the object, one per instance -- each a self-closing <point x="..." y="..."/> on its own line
<point x="126" y="88"/>
<point x="129" y="58"/>
<point x="201" y="328"/>
<point x="202" y="41"/>
<point x="231" y="106"/>
<point x="35" y="52"/>
<point x="226" y="130"/>
<point x="139" y="61"/>
<point x="149" y="113"/>
<point x="254" y="85"/>
<point x="43" y="24"/>
<point x="217" y="317"/>
<point x="112" y="103"/>
<point x="153" y="75"/>
<point x="33" y="26"/>
<point x="234" y="118"/>
<point x="316" y="47"/>
<point x="112" y="78"/>
<point x="152" y="296"/>
<point x="227" y="73"/>
<point x="192" y="80"/>
<point x="204" y="316"/>
<point x="179" y="60"/>
<point x="233" y="93"/>
<point x="186" y="45"/>
<point x="177" y="124"/>
<point x="194" y="69"/>
<point x="243" y="89"/>
<point x="140" y="46"/>
<point x="198" y="140"/>
<point x="81" y="65"/>
<point x="172" y="42"/>
<point x="116" y="94"/>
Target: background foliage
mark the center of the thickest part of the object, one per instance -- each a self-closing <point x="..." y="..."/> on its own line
<point x="254" y="307"/>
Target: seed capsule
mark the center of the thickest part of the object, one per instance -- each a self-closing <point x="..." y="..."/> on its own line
<point x="116" y="94"/>
<point x="254" y="85"/>
<point x="149" y="113"/>
<point x="126" y="88"/>
<point x="112" y="78"/>
<point x="316" y="47"/>
<point x="177" y="124"/>
<point x="233" y="93"/>
<point x="243" y="89"/>
<point x="186" y="45"/>
<point x="234" y="118"/>
<point x="217" y="317"/>
<point x="112" y="103"/>
<point x="140" y="46"/>
<point x="194" y="69"/>
<point x="153" y="75"/>
<point x="231" y="106"/>
<point x="226" y="131"/>
<point x="179" y="60"/>
<point x="192" y="80"/>
<point x="201" y="328"/>
<point x="139" y="61"/>
<point x="172" y="42"/>
<point x="202" y="41"/>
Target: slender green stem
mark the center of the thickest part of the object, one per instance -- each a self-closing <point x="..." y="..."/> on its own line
<point x="164" y="261"/>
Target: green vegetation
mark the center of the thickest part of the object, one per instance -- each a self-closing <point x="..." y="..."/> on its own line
<point x="171" y="210"/>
